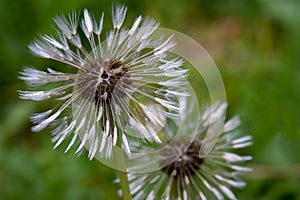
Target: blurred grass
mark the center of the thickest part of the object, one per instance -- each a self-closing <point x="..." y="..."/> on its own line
<point x="256" y="46"/>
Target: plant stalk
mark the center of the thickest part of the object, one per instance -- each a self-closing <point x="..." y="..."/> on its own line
<point x="120" y="160"/>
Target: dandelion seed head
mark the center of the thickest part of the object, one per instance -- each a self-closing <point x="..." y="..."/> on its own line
<point x="112" y="82"/>
<point x="184" y="173"/>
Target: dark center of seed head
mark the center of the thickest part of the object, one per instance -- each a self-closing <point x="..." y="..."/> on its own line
<point x="110" y="73"/>
<point x="186" y="164"/>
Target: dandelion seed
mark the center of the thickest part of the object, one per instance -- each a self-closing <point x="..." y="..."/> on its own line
<point x="184" y="174"/>
<point x="113" y="83"/>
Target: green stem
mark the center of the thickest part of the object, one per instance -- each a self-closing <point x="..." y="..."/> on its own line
<point x="119" y="157"/>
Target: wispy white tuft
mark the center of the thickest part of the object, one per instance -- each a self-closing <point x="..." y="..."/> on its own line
<point x="232" y="124"/>
<point x="118" y="16"/>
<point x="98" y="27"/>
<point x="88" y="21"/>
<point x="135" y="25"/>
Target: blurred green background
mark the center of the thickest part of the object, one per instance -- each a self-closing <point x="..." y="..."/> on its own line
<point x="255" y="44"/>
